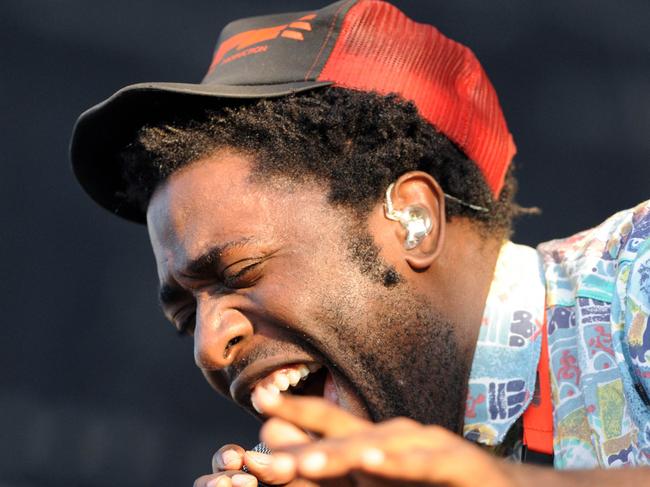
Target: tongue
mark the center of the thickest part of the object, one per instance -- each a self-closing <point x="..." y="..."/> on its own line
<point x="329" y="390"/>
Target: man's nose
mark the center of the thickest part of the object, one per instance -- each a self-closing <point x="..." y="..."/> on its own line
<point x="219" y="335"/>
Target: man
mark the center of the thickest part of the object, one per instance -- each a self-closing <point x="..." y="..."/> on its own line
<point x="329" y="211"/>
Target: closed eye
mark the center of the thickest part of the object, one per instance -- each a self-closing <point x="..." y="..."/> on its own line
<point x="245" y="277"/>
<point x="186" y="326"/>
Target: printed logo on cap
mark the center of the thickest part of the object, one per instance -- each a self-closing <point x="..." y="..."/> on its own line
<point x="242" y="42"/>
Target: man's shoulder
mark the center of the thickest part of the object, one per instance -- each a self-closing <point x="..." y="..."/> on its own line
<point x="617" y="235"/>
<point x="598" y="304"/>
<point x="587" y="263"/>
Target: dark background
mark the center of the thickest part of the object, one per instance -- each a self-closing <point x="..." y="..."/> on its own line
<point x="96" y="389"/>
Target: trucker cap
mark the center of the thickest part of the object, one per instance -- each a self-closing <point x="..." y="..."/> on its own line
<point x="367" y="45"/>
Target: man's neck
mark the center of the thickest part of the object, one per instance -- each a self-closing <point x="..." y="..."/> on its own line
<point x="463" y="277"/>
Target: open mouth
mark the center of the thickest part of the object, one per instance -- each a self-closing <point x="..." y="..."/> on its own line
<point x="299" y="379"/>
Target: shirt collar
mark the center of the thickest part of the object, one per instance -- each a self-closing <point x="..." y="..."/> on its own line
<point x="502" y="378"/>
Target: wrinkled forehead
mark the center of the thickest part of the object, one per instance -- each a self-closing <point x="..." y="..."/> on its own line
<point x="209" y="200"/>
<point x="215" y="200"/>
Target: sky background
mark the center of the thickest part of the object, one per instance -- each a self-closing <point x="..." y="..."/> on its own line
<point x="96" y="389"/>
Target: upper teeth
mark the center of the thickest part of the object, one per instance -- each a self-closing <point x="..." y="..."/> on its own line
<point x="280" y="380"/>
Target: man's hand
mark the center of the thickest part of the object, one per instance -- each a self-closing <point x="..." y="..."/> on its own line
<point x="395" y="452"/>
<point x="228" y="463"/>
<point x="398" y="452"/>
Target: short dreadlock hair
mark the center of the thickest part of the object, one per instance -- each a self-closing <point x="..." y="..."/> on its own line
<point x="355" y="143"/>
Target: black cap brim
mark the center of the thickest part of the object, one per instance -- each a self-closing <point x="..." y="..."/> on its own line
<point x="103" y="131"/>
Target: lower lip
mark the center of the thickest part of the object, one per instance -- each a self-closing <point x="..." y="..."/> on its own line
<point x="329" y="390"/>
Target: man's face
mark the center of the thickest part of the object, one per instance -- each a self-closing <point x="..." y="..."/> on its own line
<point x="269" y="276"/>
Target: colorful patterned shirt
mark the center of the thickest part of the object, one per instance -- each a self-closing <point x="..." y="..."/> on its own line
<point x="594" y="290"/>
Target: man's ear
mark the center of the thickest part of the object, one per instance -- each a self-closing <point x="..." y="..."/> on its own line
<point x="419" y="195"/>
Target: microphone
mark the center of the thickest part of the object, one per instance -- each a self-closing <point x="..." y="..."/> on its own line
<point x="260" y="448"/>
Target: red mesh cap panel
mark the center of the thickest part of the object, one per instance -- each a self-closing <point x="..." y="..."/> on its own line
<point x="380" y="49"/>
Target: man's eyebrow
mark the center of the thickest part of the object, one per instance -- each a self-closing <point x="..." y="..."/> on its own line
<point x="208" y="260"/>
<point x="200" y="266"/>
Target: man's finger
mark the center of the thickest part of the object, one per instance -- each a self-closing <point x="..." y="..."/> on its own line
<point x="265" y="468"/>
<point x="277" y="433"/>
<point x="228" y="457"/>
<point x="226" y="479"/>
<point x="415" y="465"/>
<point x="336" y="457"/>
<point x="453" y="466"/>
<point x="324" y="459"/>
<point x="310" y="413"/>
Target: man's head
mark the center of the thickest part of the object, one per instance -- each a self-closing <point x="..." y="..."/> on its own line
<point x="264" y="200"/>
<point x="268" y="224"/>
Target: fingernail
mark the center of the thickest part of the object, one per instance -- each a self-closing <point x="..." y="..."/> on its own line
<point x="372" y="457"/>
<point x="283" y="464"/>
<point x="242" y="480"/>
<point x="218" y="482"/>
<point x="285" y="434"/>
<point x="229" y="457"/>
<point x="257" y="457"/>
<point x="313" y="462"/>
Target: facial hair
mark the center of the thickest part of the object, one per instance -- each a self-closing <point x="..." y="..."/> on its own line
<point x="402" y="356"/>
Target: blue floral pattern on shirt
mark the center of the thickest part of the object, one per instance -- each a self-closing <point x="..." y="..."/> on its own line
<point x="597" y="308"/>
